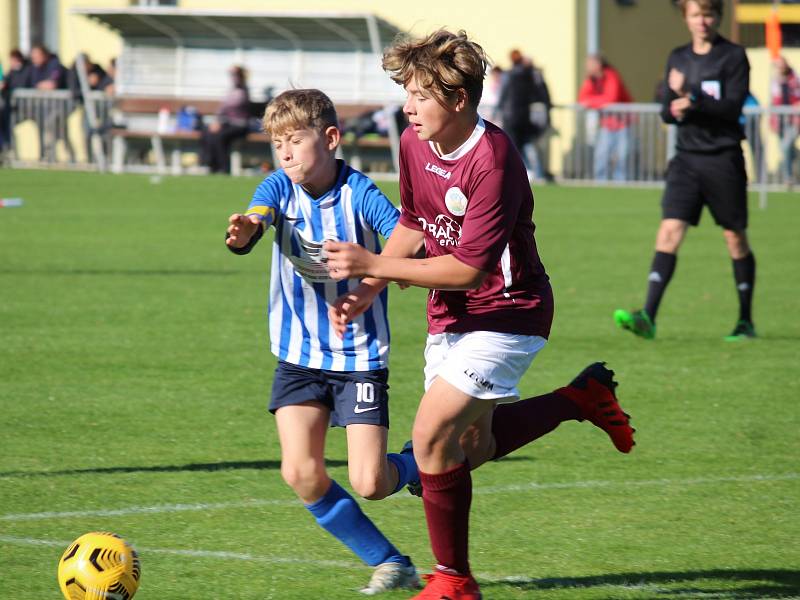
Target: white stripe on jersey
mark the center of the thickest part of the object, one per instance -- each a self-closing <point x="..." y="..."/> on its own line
<point x="351" y="223"/>
<point x="505" y="265"/>
<point x="327" y="212"/>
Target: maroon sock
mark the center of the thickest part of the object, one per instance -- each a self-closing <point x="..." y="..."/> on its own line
<point x="447" y="498"/>
<point x="517" y="424"/>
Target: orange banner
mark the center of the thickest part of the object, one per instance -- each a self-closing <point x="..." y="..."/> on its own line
<point x="774" y="37"/>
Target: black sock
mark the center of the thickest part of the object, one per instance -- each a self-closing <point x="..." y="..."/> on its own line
<point x="660" y="273"/>
<point x="744" y="273"/>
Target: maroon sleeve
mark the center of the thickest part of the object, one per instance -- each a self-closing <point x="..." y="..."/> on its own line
<point x="408" y="216"/>
<point x="493" y="209"/>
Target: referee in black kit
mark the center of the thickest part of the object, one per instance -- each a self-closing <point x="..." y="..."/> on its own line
<point x="707" y="80"/>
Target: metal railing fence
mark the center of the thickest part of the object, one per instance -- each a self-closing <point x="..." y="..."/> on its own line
<point x="622" y="143"/>
<point x="50" y="112"/>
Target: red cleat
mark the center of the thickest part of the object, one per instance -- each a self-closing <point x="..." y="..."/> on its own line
<point x="443" y="586"/>
<point x="593" y="392"/>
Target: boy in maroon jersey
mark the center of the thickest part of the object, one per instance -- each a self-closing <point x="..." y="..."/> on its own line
<point x="465" y="194"/>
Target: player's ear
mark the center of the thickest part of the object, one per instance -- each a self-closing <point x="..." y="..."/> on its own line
<point x="461" y="99"/>
<point x="332" y="137"/>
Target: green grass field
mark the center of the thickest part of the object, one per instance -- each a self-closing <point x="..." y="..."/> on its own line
<point x="135" y="371"/>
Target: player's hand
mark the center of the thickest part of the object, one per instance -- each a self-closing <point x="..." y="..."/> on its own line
<point x="679" y="106"/>
<point x="241" y="229"/>
<point x="349" y="306"/>
<point x="347" y="260"/>
<point x="676" y="80"/>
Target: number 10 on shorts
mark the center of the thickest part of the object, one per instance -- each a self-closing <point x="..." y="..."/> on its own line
<point x="365" y="392"/>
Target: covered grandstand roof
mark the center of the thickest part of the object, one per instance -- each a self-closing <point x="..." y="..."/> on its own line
<point x="242" y="28"/>
<point x="177" y="52"/>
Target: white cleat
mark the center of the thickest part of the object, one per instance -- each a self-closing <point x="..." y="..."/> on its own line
<point x="391" y="576"/>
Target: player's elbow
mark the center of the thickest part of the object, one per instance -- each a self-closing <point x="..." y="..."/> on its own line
<point x="468" y="278"/>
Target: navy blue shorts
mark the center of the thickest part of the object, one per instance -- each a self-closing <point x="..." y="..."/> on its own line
<point x="352" y="396"/>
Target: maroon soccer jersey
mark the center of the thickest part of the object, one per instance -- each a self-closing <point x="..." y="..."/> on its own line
<point x="476" y="204"/>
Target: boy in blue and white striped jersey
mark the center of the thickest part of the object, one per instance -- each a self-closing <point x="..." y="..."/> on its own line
<point x="323" y="379"/>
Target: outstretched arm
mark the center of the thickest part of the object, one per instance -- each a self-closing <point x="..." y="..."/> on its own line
<point x="243" y="232"/>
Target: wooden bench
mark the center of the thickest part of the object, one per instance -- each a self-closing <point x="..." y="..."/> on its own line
<point x="141" y="134"/>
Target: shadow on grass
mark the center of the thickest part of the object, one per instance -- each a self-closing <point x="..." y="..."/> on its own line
<point x="191" y="467"/>
<point x="208" y="467"/>
<point x="712" y="583"/>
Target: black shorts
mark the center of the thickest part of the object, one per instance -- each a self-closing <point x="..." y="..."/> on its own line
<point x="718" y="180"/>
<point x="352" y="396"/>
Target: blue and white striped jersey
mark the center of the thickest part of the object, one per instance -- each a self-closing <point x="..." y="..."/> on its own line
<point x="354" y="210"/>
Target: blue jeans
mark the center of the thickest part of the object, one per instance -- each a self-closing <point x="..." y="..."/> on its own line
<point x="788" y="151"/>
<point x="611" y="147"/>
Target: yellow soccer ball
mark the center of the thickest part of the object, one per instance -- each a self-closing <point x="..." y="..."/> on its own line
<point x="99" y="566"/>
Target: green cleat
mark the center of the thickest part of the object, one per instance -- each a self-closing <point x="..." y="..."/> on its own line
<point x="744" y="330"/>
<point x="636" y="321"/>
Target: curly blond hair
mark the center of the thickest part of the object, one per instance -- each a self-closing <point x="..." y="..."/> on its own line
<point x="441" y="63"/>
<point x="299" y="109"/>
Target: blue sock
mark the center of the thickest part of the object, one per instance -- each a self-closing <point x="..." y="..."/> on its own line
<point x="339" y="514"/>
<point x="406" y="469"/>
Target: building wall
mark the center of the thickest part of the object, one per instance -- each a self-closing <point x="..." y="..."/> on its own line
<point x="80" y="34"/>
<point x="8" y="30"/>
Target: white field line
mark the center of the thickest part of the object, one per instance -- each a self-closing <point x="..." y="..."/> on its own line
<point x="338" y="564"/>
<point x="504" y="489"/>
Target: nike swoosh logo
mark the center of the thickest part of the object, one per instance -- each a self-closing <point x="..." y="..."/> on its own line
<point x="358" y="410"/>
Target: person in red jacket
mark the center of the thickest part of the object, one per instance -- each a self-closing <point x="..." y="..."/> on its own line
<point x="786" y="92"/>
<point x="603" y="86"/>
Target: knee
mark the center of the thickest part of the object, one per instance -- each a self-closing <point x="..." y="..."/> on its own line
<point x="304" y="477"/>
<point x="429" y="442"/>
<point x="367" y="485"/>
<point x="669" y="237"/>
<point x="738" y="245"/>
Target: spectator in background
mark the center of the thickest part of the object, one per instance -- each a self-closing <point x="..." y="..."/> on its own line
<point x="603" y="86"/>
<point x="786" y="92"/>
<point x="107" y="83"/>
<point x="516" y="95"/>
<point x="95" y="75"/>
<point x="95" y="80"/>
<point x="231" y="123"/>
<point x="16" y="77"/>
<point x="489" y="107"/>
<point x="48" y="74"/>
<point x="540" y="119"/>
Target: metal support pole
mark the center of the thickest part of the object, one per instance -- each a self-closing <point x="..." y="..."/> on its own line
<point x="592" y="26"/>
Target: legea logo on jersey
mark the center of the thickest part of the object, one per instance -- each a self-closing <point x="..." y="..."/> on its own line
<point x="455" y="201"/>
<point x="438" y="170"/>
<point x="444" y="229"/>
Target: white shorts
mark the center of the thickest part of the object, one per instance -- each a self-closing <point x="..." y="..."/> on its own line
<point x="483" y="364"/>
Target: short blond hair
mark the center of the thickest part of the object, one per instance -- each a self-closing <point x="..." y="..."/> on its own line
<point x="299" y="109"/>
<point x="441" y="63"/>
<point x="706" y="6"/>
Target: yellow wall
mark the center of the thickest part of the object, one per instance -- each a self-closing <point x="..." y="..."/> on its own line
<point x="8" y="30"/>
<point x="80" y="34"/>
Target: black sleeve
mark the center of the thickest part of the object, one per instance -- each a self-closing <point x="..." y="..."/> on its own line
<point x="246" y="249"/>
<point x="735" y="87"/>
<point x="669" y="95"/>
